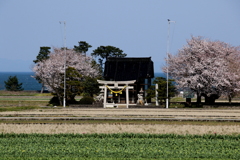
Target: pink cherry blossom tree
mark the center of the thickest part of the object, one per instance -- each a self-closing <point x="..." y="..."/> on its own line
<point x="51" y="71"/>
<point x="234" y="74"/>
<point x="206" y="67"/>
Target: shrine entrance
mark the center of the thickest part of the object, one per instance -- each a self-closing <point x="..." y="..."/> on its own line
<point x="116" y="93"/>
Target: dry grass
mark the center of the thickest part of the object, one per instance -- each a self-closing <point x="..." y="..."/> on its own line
<point x="152" y="128"/>
<point x="119" y="128"/>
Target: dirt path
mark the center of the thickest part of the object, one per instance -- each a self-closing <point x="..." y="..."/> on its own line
<point x="129" y="113"/>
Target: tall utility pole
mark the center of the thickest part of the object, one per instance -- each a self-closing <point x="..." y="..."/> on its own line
<point x="65" y="55"/>
<point x="167" y="57"/>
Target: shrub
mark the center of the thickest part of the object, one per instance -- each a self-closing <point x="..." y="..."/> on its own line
<point x="86" y="100"/>
<point x="54" y="101"/>
<point x="12" y="84"/>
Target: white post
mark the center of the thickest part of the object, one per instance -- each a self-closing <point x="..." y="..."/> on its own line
<point x="156" y="88"/>
<point x="132" y="97"/>
<point x="127" y="96"/>
<point x="105" y="96"/>
<point x="119" y="98"/>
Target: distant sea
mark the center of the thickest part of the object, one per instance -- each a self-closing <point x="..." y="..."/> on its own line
<point x="28" y="82"/>
<point x="157" y="74"/>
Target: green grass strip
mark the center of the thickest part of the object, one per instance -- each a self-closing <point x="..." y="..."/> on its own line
<point x="127" y="122"/>
<point x="119" y="146"/>
<point x="20" y="108"/>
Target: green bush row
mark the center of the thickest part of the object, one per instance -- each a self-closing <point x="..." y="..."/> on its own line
<point x="119" y="135"/>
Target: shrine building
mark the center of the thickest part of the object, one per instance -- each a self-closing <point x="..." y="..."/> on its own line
<point x="125" y="79"/>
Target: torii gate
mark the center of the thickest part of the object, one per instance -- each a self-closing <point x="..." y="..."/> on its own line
<point x="116" y="83"/>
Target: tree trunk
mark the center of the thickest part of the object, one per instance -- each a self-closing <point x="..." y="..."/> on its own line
<point x="188" y="102"/>
<point x="229" y="99"/>
<point x="42" y="88"/>
<point x="60" y="98"/>
<point x="199" y="100"/>
<point x="211" y="99"/>
<point x="207" y="100"/>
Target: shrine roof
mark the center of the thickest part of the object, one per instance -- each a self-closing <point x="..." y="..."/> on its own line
<point x="128" y="68"/>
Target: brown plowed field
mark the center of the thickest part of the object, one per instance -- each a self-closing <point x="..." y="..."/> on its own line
<point x="153" y="128"/>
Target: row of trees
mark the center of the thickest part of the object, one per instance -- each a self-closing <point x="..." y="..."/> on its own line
<point x="209" y="68"/>
<point x="82" y="71"/>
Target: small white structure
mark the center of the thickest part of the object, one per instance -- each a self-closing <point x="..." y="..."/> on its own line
<point x="120" y="85"/>
<point x="100" y="97"/>
<point x="140" y="99"/>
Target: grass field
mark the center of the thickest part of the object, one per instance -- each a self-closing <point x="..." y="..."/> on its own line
<point x="118" y="146"/>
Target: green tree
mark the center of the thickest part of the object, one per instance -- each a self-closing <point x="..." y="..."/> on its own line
<point x="52" y="73"/>
<point x="162" y="89"/>
<point x="82" y="47"/>
<point x="91" y="86"/>
<point x="74" y="87"/>
<point x="42" y="55"/>
<point x="12" y="84"/>
<point x="74" y="84"/>
<point x="103" y="52"/>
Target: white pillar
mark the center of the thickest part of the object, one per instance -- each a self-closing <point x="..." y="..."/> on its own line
<point x="105" y="96"/>
<point x="167" y="103"/>
<point x="119" y="98"/>
<point x="156" y="88"/>
<point x="127" y="96"/>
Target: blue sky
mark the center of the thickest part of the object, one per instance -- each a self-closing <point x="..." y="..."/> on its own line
<point x="138" y="27"/>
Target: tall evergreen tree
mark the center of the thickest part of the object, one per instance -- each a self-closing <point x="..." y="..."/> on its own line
<point x="42" y="56"/>
<point x="103" y="52"/>
<point x="82" y="47"/>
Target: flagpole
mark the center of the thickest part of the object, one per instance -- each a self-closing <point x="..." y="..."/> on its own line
<point x="167" y="58"/>
<point x="65" y="56"/>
